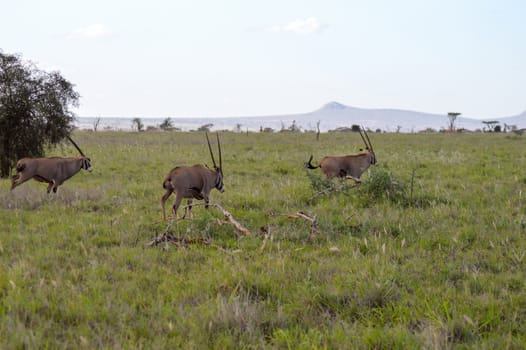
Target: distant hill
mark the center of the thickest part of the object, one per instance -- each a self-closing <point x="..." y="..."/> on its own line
<point x="518" y="120"/>
<point x="334" y="115"/>
<point x="331" y="116"/>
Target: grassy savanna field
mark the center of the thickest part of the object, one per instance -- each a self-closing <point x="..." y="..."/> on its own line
<point x="428" y="252"/>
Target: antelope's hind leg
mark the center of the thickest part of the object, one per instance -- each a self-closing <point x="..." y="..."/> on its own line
<point x="176" y="205"/>
<point x="17" y="180"/>
<point x="14" y="179"/>
<point x="163" y="201"/>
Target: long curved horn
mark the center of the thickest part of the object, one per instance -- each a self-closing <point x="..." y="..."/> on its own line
<point x="363" y="138"/>
<point x="76" y="146"/>
<point x="368" y="140"/>
<point x="219" y="148"/>
<point x="210" y="148"/>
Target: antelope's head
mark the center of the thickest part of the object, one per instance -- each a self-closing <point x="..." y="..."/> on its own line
<point x="368" y="145"/>
<point x="86" y="164"/>
<point x="218" y="169"/>
<point x="85" y="161"/>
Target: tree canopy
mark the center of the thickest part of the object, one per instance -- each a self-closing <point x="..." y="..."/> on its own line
<point x="34" y="110"/>
<point x="205" y="127"/>
<point x="137" y="124"/>
<point x="166" y="124"/>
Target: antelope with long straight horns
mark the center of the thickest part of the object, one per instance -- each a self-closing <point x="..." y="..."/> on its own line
<point x="52" y="170"/>
<point x="350" y="166"/>
<point x="193" y="182"/>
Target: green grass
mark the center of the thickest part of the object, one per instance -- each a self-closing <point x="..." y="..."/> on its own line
<point x="429" y="252"/>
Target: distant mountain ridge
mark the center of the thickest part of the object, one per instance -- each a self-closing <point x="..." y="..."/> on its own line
<point x="330" y="116"/>
<point x="334" y="115"/>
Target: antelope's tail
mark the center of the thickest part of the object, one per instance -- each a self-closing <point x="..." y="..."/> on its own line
<point x="309" y="165"/>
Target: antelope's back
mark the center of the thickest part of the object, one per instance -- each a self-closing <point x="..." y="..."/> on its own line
<point x="184" y="177"/>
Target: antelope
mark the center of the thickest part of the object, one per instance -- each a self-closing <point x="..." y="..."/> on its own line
<point x="52" y="170"/>
<point x="193" y="182"/>
<point x="351" y="166"/>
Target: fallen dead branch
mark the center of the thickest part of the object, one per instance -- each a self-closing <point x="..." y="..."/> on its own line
<point x="312" y="219"/>
<point x="230" y="219"/>
<point x="167" y="237"/>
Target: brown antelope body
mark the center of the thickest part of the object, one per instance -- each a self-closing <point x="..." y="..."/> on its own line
<point x="52" y="170"/>
<point x="193" y="182"/>
<point x="350" y="166"/>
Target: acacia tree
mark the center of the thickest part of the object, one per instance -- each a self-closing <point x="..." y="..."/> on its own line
<point x="452" y="116"/>
<point x="166" y="124"/>
<point x="137" y="124"/>
<point x="205" y="127"/>
<point x="34" y="110"/>
<point x="492" y="126"/>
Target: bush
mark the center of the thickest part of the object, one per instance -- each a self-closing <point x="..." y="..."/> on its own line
<point x="382" y="184"/>
<point x="379" y="185"/>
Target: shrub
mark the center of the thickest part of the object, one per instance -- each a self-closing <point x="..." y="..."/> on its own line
<point x="382" y="184"/>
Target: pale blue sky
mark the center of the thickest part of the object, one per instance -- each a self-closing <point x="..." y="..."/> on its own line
<point x="201" y="58"/>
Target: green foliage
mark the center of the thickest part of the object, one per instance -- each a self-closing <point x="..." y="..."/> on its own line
<point x="166" y="124"/>
<point x="137" y="124"/>
<point x="205" y="127"/>
<point x="428" y="252"/>
<point x="34" y="110"/>
<point x="319" y="183"/>
<point x="382" y="184"/>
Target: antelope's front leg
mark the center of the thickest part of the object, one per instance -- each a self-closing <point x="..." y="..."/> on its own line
<point x="51" y="185"/>
<point x="188" y="209"/>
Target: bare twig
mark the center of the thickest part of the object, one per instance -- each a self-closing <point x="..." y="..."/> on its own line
<point x="240" y="228"/>
<point x="313" y="220"/>
<point x="325" y="191"/>
<point x="228" y="216"/>
<point x="266" y="232"/>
